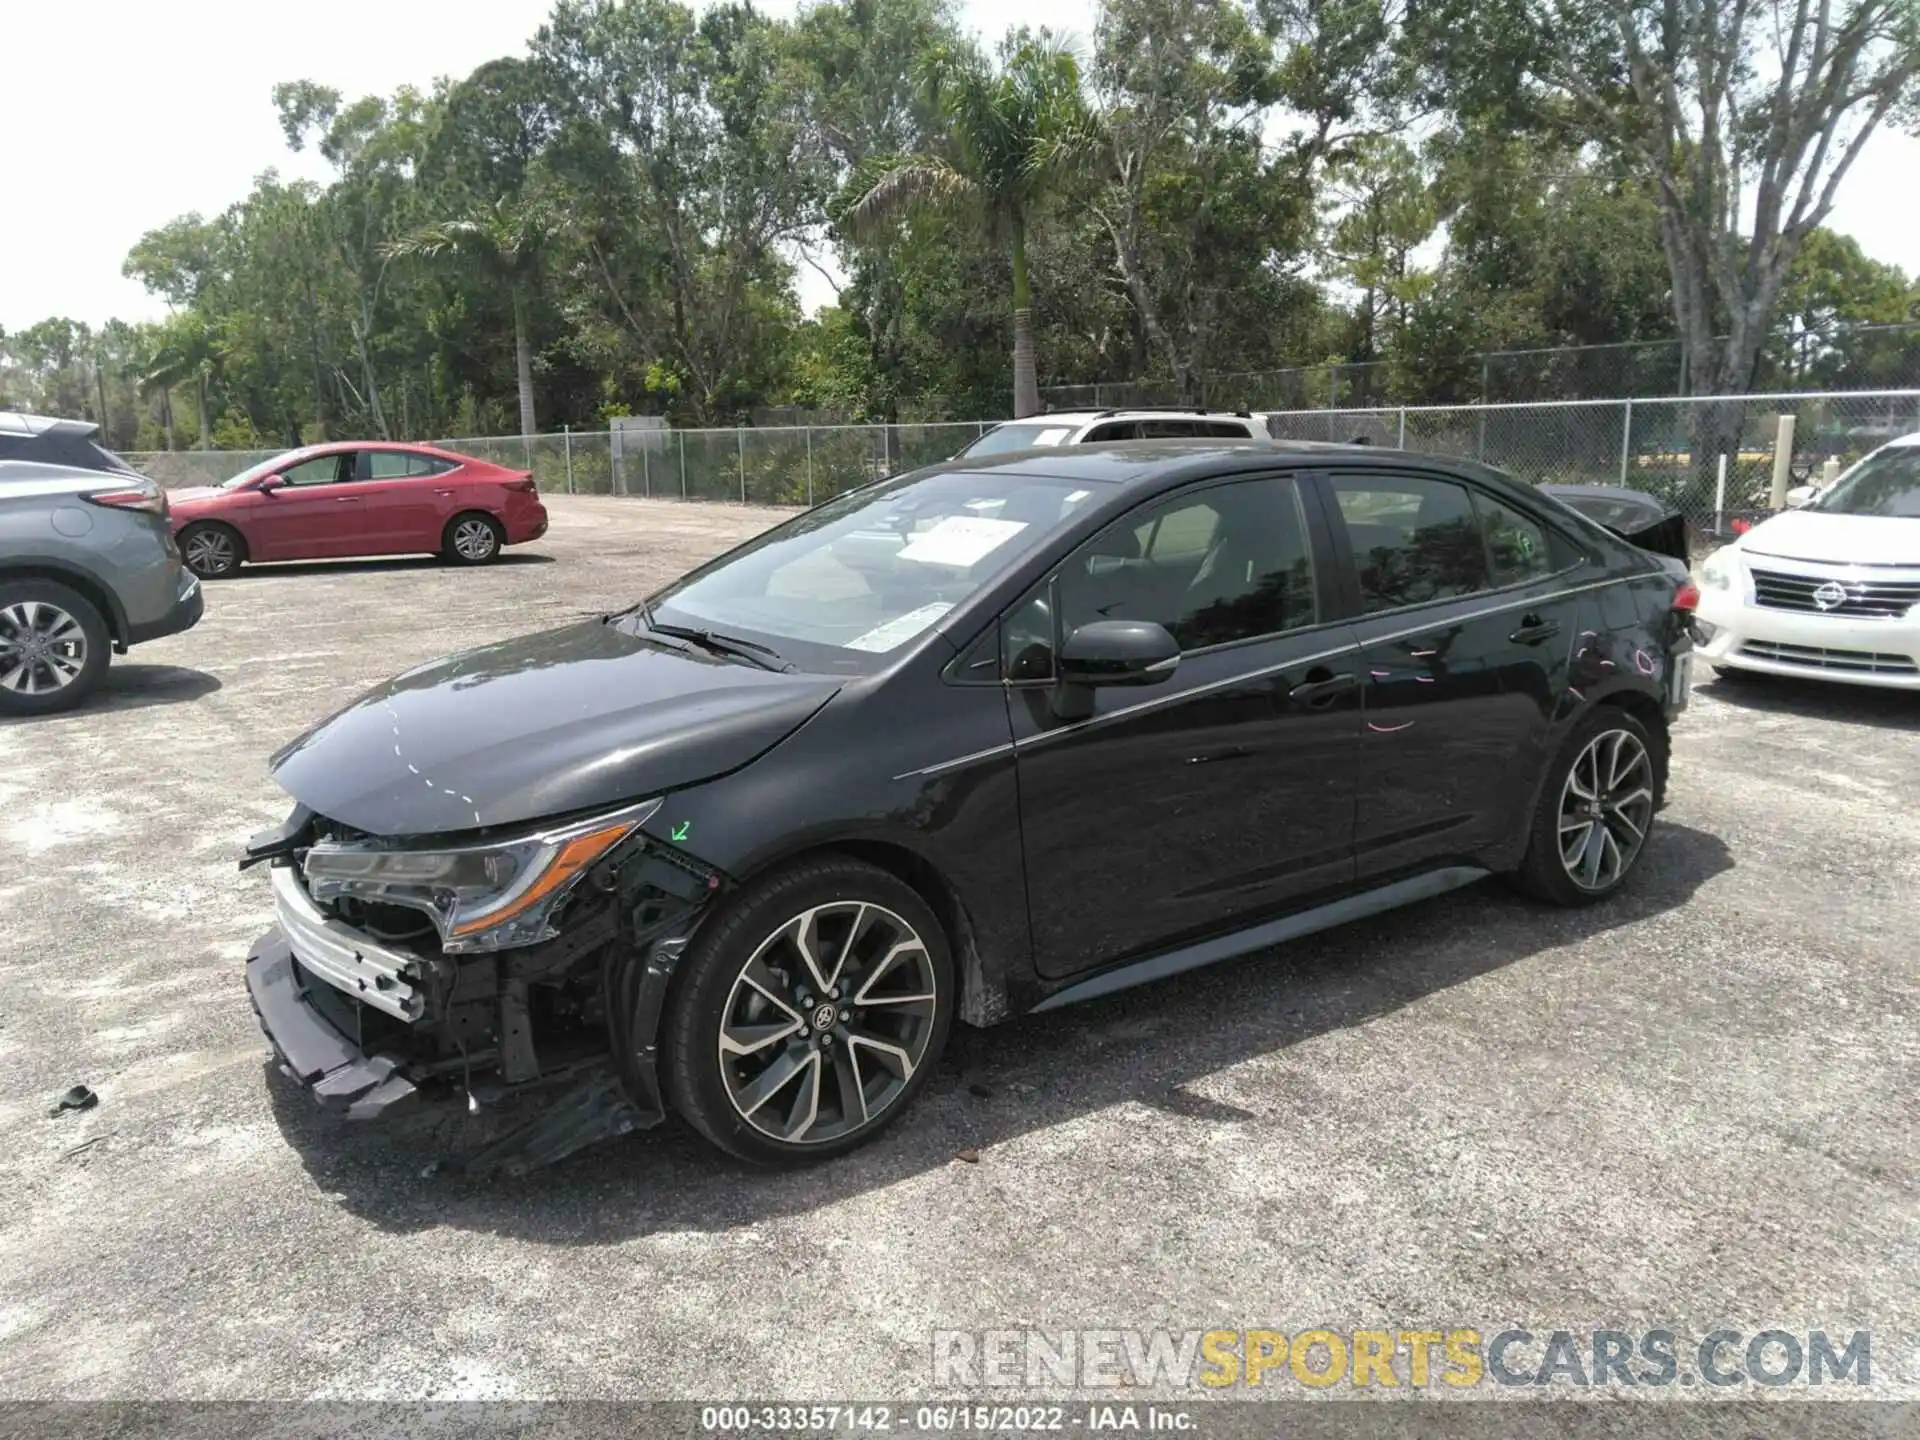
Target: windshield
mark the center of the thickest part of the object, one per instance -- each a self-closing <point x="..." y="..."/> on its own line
<point x="1885" y="483"/>
<point x="840" y="588"/>
<point x="1003" y="438"/>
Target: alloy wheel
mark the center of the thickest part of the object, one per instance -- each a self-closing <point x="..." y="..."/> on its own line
<point x="42" y="648"/>
<point x="210" y="552"/>
<point x="1606" y="806"/>
<point x="827" y="1022"/>
<point x="474" y="539"/>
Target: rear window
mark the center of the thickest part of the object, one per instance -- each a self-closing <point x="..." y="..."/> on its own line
<point x="77" y="452"/>
<point x="1003" y="438"/>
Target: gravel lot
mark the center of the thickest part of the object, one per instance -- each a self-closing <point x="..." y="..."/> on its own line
<point x="1693" y="1108"/>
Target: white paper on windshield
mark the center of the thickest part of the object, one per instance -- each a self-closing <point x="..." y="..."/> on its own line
<point x="960" y="540"/>
<point x="900" y="629"/>
<point x="1051" y="437"/>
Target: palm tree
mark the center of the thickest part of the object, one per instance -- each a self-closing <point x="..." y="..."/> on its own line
<point x="1011" y="133"/>
<point x="190" y="349"/>
<point x="504" y="239"/>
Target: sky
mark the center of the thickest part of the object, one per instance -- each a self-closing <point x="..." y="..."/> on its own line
<point x="157" y="110"/>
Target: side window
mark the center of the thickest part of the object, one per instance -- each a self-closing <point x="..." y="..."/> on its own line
<point x="1225" y="429"/>
<point x="1414" y="540"/>
<point x="1517" y="548"/>
<point x="1113" y="430"/>
<point x="397" y="464"/>
<point x="1167" y="429"/>
<point x="1229" y="562"/>
<point x="321" y="470"/>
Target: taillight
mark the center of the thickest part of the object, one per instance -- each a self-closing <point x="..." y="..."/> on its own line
<point x="153" y="501"/>
<point x="1687" y="597"/>
<point x="524" y="483"/>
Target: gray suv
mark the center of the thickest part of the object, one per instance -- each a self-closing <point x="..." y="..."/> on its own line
<point x="86" y="563"/>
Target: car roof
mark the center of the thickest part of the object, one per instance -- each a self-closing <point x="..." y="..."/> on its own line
<point x="14" y="422"/>
<point x="1142" y="462"/>
<point x="1129" y="412"/>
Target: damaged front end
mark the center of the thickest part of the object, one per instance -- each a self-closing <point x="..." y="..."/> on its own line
<point x="484" y="971"/>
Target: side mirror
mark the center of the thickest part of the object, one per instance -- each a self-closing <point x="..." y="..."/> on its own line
<point x="270" y="484"/>
<point x="1118" y="652"/>
<point x="1801" y="495"/>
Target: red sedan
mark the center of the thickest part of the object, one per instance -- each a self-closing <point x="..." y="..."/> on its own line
<point x="328" y="501"/>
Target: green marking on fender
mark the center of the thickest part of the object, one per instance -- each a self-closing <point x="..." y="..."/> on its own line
<point x="680" y="830"/>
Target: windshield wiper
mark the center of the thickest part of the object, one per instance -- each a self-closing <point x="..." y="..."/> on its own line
<point x="752" y="652"/>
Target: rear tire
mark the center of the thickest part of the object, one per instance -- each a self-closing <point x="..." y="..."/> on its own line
<point x="1595" y="812"/>
<point x="778" y="1068"/>
<point x="472" y="538"/>
<point x="53" y="647"/>
<point x="211" y="550"/>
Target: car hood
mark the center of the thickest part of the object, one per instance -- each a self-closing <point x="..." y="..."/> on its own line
<point x="571" y="719"/>
<point x="1835" y="539"/>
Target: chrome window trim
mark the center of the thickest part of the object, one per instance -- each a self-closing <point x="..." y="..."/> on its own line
<point x="1075" y="727"/>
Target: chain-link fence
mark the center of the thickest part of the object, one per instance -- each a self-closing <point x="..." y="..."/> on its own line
<point x="1670" y="448"/>
<point x="776" y="465"/>
<point x="1855" y="358"/>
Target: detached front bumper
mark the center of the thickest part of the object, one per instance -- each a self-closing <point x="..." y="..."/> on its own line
<point x="309" y="1049"/>
<point x="370" y="1026"/>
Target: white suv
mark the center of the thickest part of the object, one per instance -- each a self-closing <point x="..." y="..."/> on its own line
<point x="1830" y="589"/>
<point x="1083" y="427"/>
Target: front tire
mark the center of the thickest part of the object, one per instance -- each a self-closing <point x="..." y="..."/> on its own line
<point x="1595" y="811"/>
<point x="809" y="1013"/>
<point x="53" y="647"/>
<point x="472" y="539"/>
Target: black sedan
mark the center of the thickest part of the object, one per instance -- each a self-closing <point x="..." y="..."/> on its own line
<point x="987" y="738"/>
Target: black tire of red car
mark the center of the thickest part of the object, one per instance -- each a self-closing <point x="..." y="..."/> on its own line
<point x="846" y="1047"/>
<point x="211" y="550"/>
<point x="472" y="538"/>
<point x="52" y="639"/>
<point x="1596" y="780"/>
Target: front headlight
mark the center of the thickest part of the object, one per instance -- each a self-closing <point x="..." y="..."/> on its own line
<point x="491" y="896"/>
<point x="1721" y="571"/>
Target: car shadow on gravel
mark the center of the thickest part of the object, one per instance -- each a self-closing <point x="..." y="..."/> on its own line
<point x="1143" y="1046"/>
<point x="133" y="687"/>
<point x="385" y="565"/>
<point x="1818" y="700"/>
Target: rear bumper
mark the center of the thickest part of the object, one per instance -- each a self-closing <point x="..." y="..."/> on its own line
<point x="526" y="522"/>
<point x="189" y="604"/>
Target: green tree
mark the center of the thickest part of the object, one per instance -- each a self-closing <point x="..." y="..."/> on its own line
<point x="190" y="350"/>
<point x="1014" y="131"/>
<point x="506" y="242"/>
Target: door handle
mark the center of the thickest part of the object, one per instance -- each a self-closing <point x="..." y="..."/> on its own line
<point x="1320" y="686"/>
<point x="346" y="499"/>
<point x="1533" y="630"/>
<point x="443" y="492"/>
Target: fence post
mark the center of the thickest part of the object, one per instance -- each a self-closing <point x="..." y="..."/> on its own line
<point x="1626" y="440"/>
<point x="1782" y="462"/>
<point x="646" y="468"/>
<point x="1403" y="428"/>
<point x="886" y="448"/>
<point x="983" y="426"/>
<point x="526" y="444"/>
<point x="683" y="464"/>
<point x="566" y="432"/>
<point x="740" y="439"/>
<point x="1720" y="497"/>
<point x="809" y="467"/>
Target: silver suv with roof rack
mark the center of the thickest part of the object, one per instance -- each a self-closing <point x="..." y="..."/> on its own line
<point x="87" y="563"/>
<point x="1150" y="422"/>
